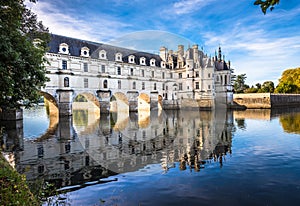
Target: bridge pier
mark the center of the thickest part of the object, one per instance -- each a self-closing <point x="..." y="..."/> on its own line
<point x="153" y="100"/>
<point x="65" y="102"/>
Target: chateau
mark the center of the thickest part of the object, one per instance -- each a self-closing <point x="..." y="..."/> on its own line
<point x="116" y="78"/>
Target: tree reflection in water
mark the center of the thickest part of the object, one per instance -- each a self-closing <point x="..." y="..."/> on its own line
<point x="88" y="149"/>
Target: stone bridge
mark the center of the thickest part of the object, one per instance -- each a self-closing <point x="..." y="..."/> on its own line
<point x="60" y="99"/>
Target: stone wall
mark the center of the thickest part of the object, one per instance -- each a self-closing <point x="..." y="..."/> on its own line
<point x="266" y="100"/>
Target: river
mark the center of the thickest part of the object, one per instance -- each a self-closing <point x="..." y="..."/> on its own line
<point x="215" y="157"/>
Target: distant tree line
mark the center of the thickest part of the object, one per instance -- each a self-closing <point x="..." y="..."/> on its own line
<point x="288" y="83"/>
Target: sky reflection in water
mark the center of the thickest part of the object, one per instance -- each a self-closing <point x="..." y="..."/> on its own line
<point x="179" y="158"/>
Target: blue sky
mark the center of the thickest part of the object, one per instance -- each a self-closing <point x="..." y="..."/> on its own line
<point x="262" y="46"/>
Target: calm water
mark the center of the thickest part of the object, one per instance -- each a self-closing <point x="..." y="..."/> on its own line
<point x="168" y="158"/>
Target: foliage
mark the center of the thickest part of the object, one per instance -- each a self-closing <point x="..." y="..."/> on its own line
<point x="265" y="5"/>
<point x="80" y="98"/>
<point x="267" y="87"/>
<point x="239" y="83"/>
<point x="13" y="190"/>
<point x="22" y="70"/>
<point x="291" y="123"/>
<point x="251" y="90"/>
<point x="289" y="82"/>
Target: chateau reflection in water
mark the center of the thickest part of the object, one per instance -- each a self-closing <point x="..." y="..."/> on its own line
<point x="86" y="147"/>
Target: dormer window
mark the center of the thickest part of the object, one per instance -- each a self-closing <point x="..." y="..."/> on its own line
<point x="102" y="54"/>
<point x="85" y="52"/>
<point x="63" y="48"/>
<point x="118" y="57"/>
<point x="162" y="64"/>
<point x="131" y="59"/>
<point x="152" y="62"/>
<point x="142" y="61"/>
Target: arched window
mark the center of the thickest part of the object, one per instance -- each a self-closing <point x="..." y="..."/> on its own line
<point x="105" y="83"/>
<point x="66" y="82"/>
<point x="85" y="52"/>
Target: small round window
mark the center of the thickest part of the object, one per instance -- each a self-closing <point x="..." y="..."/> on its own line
<point x="102" y="55"/>
<point x="64" y="49"/>
<point x="85" y="52"/>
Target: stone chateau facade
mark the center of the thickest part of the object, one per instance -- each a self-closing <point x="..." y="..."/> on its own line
<point x="182" y="79"/>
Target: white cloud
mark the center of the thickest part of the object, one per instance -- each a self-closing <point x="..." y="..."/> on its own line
<point x="93" y="28"/>
<point x="189" y="6"/>
<point x="260" y="54"/>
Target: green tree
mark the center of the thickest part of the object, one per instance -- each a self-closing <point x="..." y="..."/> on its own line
<point x="267" y="87"/>
<point x="265" y="5"/>
<point x="239" y="83"/>
<point x="289" y="81"/>
<point x="22" y="70"/>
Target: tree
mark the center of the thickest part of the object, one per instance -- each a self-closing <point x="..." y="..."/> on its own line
<point x="265" y="5"/>
<point x="267" y="87"/>
<point x="22" y="70"/>
<point x="239" y="83"/>
<point x="289" y="81"/>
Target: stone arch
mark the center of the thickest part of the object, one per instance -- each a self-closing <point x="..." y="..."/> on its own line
<point x="119" y="106"/>
<point x="144" y="110"/>
<point x="119" y="103"/>
<point x="160" y="102"/>
<point x="86" y="108"/>
<point x="52" y="110"/>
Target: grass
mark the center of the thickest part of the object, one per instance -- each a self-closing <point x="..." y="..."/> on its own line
<point x="13" y="187"/>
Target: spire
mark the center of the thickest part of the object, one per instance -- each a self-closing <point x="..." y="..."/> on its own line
<point x="220" y="54"/>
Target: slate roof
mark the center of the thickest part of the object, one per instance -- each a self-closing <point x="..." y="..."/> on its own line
<point x="75" y="46"/>
<point x="221" y="65"/>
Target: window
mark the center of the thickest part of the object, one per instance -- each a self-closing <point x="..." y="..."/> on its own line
<point x="143" y="73"/>
<point x="85" y="67"/>
<point x="119" y="84"/>
<point x="197" y="74"/>
<point x="197" y="85"/>
<point x="131" y="59"/>
<point x="152" y="73"/>
<point x="85" y="82"/>
<point x="119" y="70"/>
<point x="102" y="54"/>
<point x="154" y="86"/>
<point x="225" y="79"/>
<point x="180" y="75"/>
<point x="180" y="86"/>
<point x="105" y="83"/>
<point x="64" y="64"/>
<point x="143" y="85"/>
<point x="152" y="62"/>
<point x="163" y="75"/>
<point x="118" y="57"/>
<point x="163" y="86"/>
<point x="103" y="68"/>
<point x="188" y="76"/>
<point x="208" y="86"/>
<point x="142" y="61"/>
<point x="85" y="52"/>
<point x="208" y="75"/>
<point x="133" y="85"/>
<point x="66" y="82"/>
<point x="131" y="71"/>
<point x="63" y="48"/>
<point x="171" y="75"/>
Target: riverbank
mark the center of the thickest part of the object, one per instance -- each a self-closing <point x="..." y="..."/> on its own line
<point x="266" y="100"/>
<point x="13" y="190"/>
